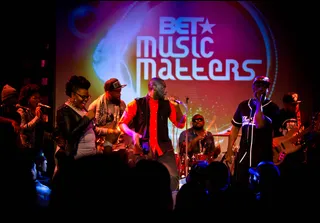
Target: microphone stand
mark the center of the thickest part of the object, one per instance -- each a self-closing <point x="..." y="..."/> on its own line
<point x="187" y="143"/>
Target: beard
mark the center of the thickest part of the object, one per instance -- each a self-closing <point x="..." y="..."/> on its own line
<point x="159" y="96"/>
<point x="115" y="101"/>
<point x="197" y="127"/>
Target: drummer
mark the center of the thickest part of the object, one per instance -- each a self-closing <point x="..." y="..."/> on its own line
<point x="201" y="144"/>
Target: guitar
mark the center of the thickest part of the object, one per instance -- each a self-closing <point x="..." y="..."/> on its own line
<point x="292" y="141"/>
<point x="112" y="137"/>
<point x="116" y="139"/>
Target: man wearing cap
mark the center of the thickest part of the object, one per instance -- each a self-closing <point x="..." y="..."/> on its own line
<point x="109" y="108"/>
<point x="9" y="122"/>
<point x="292" y="121"/>
<point x="290" y="115"/>
<point x="258" y="119"/>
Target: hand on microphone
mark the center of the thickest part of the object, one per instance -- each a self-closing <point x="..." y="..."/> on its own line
<point x="260" y="96"/>
<point x="174" y="101"/>
<point x="263" y="97"/>
<point x="38" y="112"/>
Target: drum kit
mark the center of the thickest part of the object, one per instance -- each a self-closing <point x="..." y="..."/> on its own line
<point x="191" y="161"/>
<point x="200" y="157"/>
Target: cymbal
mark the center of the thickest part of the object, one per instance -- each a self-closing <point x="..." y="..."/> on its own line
<point x="227" y="134"/>
<point x="222" y="134"/>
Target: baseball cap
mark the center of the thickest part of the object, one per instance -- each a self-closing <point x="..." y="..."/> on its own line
<point x="291" y="98"/>
<point x="261" y="79"/>
<point x="113" y="83"/>
<point x="8" y="92"/>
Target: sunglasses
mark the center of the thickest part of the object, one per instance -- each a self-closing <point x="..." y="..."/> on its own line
<point x="84" y="97"/>
<point x="261" y="84"/>
<point x="197" y="119"/>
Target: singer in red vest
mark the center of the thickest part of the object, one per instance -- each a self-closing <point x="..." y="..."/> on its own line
<point x="146" y="121"/>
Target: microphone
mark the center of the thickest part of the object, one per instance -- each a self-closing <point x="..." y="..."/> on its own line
<point x="23" y="107"/>
<point x="172" y="99"/>
<point x="262" y="97"/>
<point x="42" y="105"/>
<point x="177" y="101"/>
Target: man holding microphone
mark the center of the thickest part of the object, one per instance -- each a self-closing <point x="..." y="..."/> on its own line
<point x="257" y="117"/>
<point x="146" y="121"/>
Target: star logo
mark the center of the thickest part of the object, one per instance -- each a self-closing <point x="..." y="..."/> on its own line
<point x="207" y="27"/>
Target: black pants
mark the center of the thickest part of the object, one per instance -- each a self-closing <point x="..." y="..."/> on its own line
<point x="241" y="174"/>
<point x="168" y="160"/>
